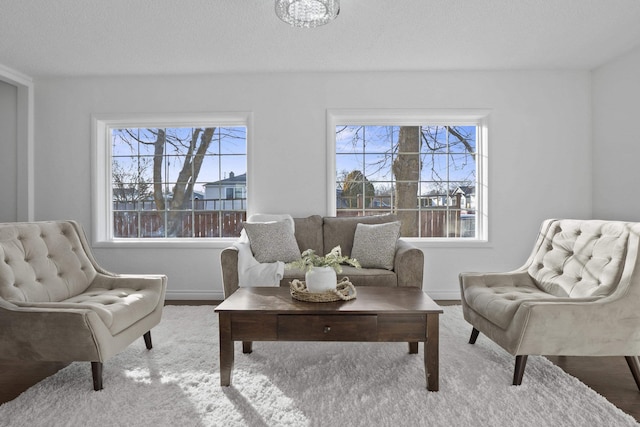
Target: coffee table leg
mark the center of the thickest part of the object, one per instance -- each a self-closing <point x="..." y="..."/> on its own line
<point x="413" y="347"/>
<point x="431" y="352"/>
<point x="226" y="349"/>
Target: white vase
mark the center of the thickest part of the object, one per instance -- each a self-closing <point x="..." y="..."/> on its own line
<point x="321" y="279"/>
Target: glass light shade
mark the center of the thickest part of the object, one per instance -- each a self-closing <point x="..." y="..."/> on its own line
<point x="307" y="13"/>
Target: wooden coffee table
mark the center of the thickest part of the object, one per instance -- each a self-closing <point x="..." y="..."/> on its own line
<point x="376" y="314"/>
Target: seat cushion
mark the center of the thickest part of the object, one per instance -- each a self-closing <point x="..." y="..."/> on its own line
<point x="497" y="296"/>
<point x="118" y="308"/>
<point x="498" y="304"/>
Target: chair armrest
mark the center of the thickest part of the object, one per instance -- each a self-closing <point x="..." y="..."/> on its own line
<point x="566" y="325"/>
<point x="510" y="278"/>
<point x="229" y="264"/>
<point x="408" y="264"/>
<point x="51" y="334"/>
<point x="154" y="282"/>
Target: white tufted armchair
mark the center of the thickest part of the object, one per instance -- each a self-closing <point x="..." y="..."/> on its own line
<point x="58" y="304"/>
<point x="577" y="295"/>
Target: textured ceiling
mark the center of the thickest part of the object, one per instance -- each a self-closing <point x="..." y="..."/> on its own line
<point x="108" y="37"/>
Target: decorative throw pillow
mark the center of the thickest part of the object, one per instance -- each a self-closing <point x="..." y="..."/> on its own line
<point x="272" y="241"/>
<point x="374" y="245"/>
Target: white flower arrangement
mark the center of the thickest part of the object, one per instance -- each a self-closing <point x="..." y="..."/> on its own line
<point x="333" y="259"/>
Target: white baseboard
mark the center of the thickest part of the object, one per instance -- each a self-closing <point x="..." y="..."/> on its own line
<point x="194" y="295"/>
<point x="180" y="295"/>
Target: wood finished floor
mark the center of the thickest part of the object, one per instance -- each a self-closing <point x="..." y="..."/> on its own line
<point x="609" y="376"/>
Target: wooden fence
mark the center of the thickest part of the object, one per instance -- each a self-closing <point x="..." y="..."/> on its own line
<point x="146" y="224"/>
<point x="434" y="222"/>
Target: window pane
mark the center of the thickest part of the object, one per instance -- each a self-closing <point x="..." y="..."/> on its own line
<point x="181" y="194"/>
<point x="424" y="174"/>
<point x="349" y="139"/>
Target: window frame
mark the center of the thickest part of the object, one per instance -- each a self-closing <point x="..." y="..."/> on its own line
<point x="102" y="208"/>
<point x="418" y="117"/>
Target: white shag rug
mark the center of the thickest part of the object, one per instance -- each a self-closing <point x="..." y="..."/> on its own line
<point x="177" y="383"/>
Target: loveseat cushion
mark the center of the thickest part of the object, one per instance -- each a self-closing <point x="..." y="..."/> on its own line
<point x="341" y="230"/>
<point x="309" y="234"/>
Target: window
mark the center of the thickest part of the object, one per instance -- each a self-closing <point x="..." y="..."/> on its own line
<point x="427" y="169"/>
<point x="170" y="178"/>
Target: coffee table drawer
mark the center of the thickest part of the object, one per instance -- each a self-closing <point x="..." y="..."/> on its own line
<point x="335" y="327"/>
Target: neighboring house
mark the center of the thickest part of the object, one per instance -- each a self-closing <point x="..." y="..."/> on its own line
<point x="467" y="195"/>
<point x="227" y="194"/>
<point x="433" y="199"/>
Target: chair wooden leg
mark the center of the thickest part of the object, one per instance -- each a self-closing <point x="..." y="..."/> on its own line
<point x="634" y="366"/>
<point x="474" y="336"/>
<point x="518" y="373"/>
<point x="96" y="371"/>
<point x="147" y="340"/>
<point x="247" y="347"/>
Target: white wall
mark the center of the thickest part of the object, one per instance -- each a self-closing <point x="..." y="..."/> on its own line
<point x="9" y="152"/>
<point x="616" y="138"/>
<point x="539" y="153"/>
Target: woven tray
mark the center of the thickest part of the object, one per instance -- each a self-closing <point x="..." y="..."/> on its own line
<point x="344" y="291"/>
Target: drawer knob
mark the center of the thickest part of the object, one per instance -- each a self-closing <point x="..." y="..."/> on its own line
<point x="327" y="329"/>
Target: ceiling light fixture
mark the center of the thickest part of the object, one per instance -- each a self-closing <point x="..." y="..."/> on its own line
<point x="307" y="13"/>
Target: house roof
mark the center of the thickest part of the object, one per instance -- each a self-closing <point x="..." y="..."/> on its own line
<point x="232" y="179"/>
<point x="124" y="37"/>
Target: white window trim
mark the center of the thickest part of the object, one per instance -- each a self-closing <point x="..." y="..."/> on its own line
<point x="417" y="117"/>
<point x="101" y="171"/>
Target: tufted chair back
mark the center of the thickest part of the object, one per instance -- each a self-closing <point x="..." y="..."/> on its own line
<point x="43" y="261"/>
<point x="577" y="258"/>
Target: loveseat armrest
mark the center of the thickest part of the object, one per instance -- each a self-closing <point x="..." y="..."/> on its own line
<point x="408" y="264"/>
<point x="229" y="264"/>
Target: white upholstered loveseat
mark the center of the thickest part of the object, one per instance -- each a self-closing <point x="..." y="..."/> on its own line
<point x="577" y="295"/>
<point x="58" y="304"/>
